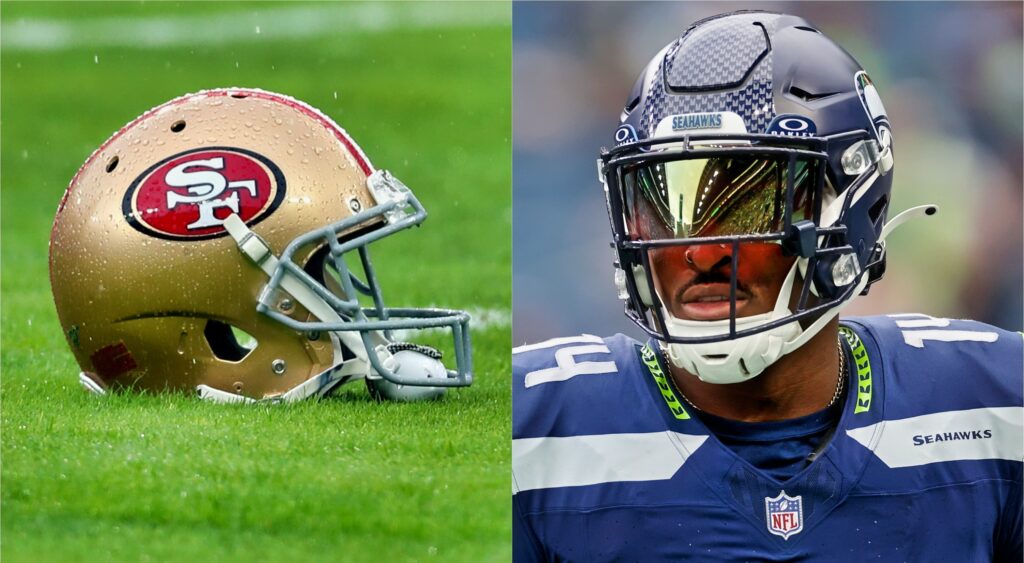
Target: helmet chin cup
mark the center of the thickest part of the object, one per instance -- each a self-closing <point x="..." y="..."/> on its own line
<point x="384" y="390"/>
<point x="406" y="364"/>
<point x="729" y="361"/>
<point x="740" y="359"/>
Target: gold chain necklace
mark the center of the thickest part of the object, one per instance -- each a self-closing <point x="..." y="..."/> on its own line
<point x="835" y="396"/>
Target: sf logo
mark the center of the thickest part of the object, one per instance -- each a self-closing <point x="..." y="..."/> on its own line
<point x="207" y="188"/>
<point x="189" y="195"/>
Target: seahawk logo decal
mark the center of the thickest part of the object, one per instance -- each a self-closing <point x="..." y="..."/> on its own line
<point x="872" y="103"/>
<point x="188" y="195"/>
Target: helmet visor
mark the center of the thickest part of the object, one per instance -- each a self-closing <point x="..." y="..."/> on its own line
<point x="717" y="196"/>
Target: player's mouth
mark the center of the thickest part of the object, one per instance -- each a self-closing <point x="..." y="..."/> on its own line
<point x="710" y="302"/>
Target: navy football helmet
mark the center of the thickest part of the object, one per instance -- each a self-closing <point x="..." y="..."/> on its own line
<point x="751" y="128"/>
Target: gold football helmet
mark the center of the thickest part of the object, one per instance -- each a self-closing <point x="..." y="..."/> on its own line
<point x="205" y="247"/>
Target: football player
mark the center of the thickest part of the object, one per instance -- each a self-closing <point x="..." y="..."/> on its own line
<point x="748" y="192"/>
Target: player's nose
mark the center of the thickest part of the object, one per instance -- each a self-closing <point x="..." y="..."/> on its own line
<point x="707" y="257"/>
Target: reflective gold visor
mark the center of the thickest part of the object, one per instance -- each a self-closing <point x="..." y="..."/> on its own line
<point x="733" y="195"/>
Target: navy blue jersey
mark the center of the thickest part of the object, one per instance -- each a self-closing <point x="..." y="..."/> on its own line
<point x="925" y="464"/>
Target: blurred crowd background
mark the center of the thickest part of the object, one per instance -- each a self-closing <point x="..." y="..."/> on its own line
<point x="950" y="76"/>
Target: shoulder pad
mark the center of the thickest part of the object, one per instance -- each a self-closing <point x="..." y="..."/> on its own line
<point x="578" y="385"/>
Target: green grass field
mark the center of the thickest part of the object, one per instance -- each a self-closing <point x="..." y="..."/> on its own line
<point x="166" y="478"/>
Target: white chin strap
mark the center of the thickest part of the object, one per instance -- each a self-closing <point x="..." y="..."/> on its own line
<point x="741" y="359"/>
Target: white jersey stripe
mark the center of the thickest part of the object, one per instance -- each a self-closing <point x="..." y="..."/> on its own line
<point x="544" y="463"/>
<point x="584" y="338"/>
<point x="995" y="433"/>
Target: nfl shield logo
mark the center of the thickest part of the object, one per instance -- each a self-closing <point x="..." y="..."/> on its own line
<point x="785" y="514"/>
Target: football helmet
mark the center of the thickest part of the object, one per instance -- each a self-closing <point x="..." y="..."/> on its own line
<point x="219" y="244"/>
<point x="752" y="128"/>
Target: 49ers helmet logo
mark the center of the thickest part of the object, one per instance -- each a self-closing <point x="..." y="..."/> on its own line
<point x="190" y="194"/>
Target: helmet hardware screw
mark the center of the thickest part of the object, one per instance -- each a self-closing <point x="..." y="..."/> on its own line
<point x="278" y="366"/>
<point x="354" y="205"/>
<point x="285" y="305"/>
<point x="313" y="335"/>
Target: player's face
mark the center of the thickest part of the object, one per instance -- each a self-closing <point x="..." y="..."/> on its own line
<point x="693" y="281"/>
<point x="719" y="196"/>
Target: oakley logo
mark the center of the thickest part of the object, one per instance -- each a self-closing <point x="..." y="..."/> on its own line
<point x="625" y="134"/>
<point x="791" y="125"/>
<point x="190" y="194"/>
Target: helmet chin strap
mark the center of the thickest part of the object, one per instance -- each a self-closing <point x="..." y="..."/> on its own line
<point x="742" y="359"/>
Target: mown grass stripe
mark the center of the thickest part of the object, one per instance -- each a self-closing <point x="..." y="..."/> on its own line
<point x="240" y="26"/>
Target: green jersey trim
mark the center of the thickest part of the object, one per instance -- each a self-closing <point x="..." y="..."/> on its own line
<point x="650" y="359"/>
<point x="860" y="357"/>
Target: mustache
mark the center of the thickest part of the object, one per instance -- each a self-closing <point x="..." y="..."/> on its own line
<point x="717" y="275"/>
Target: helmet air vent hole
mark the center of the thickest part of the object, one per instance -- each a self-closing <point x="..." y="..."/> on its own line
<point x="632" y="104"/>
<point x="878" y="209"/>
<point x="112" y="164"/>
<point x="808" y="96"/>
<point x="239" y="95"/>
<point x="228" y="343"/>
<point x="805" y="28"/>
<point x="178" y="126"/>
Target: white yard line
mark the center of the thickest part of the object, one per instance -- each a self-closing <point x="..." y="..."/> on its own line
<point x="483" y="319"/>
<point x="480" y="320"/>
<point x="246" y="26"/>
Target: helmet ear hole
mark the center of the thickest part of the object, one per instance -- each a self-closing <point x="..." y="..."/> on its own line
<point x="228" y="343"/>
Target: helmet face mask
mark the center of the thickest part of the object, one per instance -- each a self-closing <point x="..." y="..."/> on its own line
<point x="782" y="142"/>
<point x="344" y="316"/>
<point x="194" y="227"/>
<point x="744" y="194"/>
